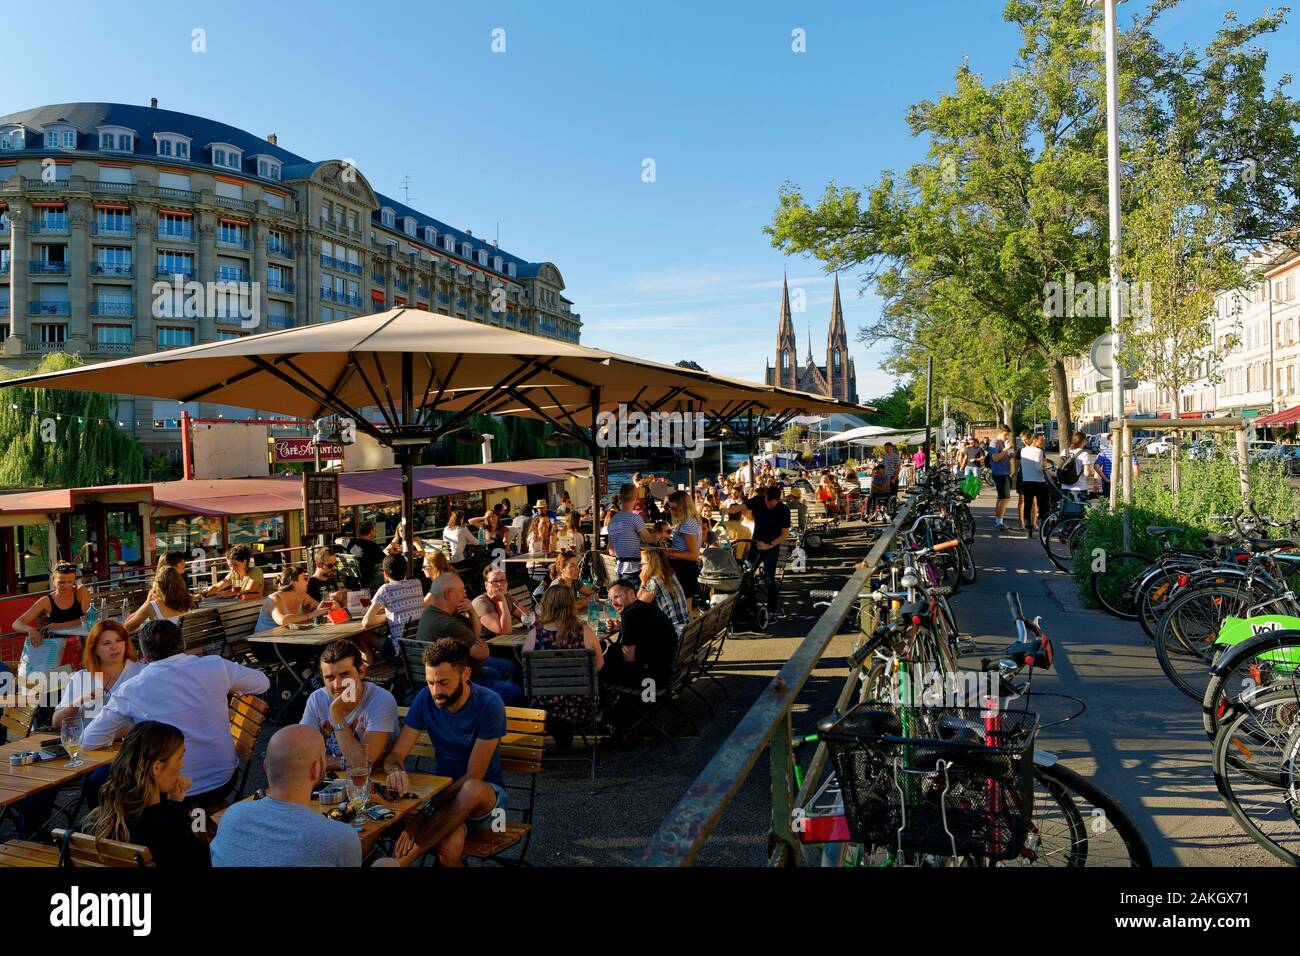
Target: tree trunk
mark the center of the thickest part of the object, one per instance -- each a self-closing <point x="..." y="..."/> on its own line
<point x="1008" y="411"/>
<point x="1060" y="398"/>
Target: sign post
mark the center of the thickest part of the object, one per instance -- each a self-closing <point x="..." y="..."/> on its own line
<point x="296" y="450"/>
<point x="320" y="501"/>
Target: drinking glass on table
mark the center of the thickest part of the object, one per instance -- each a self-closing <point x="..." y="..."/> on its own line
<point x="357" y="783"/>
<point x="70" y="736"/>
<point x="528" y="619"/>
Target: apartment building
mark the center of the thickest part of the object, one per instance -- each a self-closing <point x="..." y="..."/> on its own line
<point x="107" y="210"/>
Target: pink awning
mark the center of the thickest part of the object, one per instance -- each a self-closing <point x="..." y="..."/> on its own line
<point x="1288" y="417"/>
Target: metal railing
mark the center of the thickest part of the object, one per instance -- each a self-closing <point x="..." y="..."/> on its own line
<point x="682" y="834"/>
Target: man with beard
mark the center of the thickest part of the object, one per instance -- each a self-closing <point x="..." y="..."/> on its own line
<point x="465" y="724"/>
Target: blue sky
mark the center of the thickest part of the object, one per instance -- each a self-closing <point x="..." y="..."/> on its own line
<point x="548" y="138"/>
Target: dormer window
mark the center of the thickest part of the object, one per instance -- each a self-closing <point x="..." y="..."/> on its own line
<point x="449" y="242"/>
<point x="467" y="250"/>
<point x="227" y="156"/>
<point x="388" y="217"/>
<point x="510" y="269"/>
<point x="172" y="144"/>
<point x="268" y="167"/>
<point x="116" y="139"/>
<point x="482" y="257"/>
<point x="496" y="263"/>
<point x="408" y="225"/>
<point x="13" y="137"/>
<point x="61" y="136"/>
<point x="430" y="235"/>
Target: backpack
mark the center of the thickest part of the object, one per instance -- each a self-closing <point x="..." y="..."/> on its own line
<point x="1069" y="471"/>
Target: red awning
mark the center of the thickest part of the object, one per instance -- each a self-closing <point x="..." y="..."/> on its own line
<point x="1189" y="414"/>
<point x="1288" y="417"/>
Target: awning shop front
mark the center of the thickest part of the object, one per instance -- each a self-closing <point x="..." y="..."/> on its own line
<point x="1282" y="419"/>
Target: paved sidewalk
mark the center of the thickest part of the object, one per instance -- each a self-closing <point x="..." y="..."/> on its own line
<point x="1140" y="739"/>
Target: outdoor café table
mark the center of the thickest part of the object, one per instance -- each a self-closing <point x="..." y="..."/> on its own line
<point x="298" y="647"/>
<point x="19" y="782"/>
<point x="423" y="784"/>
<point x="531" y="556"/>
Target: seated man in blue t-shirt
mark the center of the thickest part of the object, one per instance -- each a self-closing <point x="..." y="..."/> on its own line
<point x="465" y="724"/>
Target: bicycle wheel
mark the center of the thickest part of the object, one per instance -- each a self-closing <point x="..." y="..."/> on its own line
<point x="1185" y="644"/>
<point x="1076" y="824"/>
<point x="1265" y="663"/>
<point x="1257" y="771"/>
<point x="965" y="523"/>
<point x="1058" y="541"/>
<point x="1113" y="579"/>
<point x="1154" y="592"/>
<point x="965" y="563"/>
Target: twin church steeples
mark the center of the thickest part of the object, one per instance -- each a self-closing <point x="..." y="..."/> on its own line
<point x="837" y="378"/>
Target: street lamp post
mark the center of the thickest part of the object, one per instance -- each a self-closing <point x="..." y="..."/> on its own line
<point x="1112" y="163"/>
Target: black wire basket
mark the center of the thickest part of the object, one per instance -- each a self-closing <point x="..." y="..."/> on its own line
<point x="953" y="781"/>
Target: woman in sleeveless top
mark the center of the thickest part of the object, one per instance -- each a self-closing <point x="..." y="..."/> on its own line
<point x="559" y="628"/>
<point x="290" y="604"/>
<point x="168" y="598"/>
<point x="66" y="603"/>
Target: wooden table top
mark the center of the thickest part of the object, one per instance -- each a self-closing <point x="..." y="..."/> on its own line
<point x="19" y="782"/>
<point x="423" y="784"/>
<point x="317" y="636"/>
<point x="514" y="639"/>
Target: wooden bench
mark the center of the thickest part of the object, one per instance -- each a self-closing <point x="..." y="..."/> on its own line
<point x="82" y="850"/>
<point x="202" y="632"/>
<point x="238" y="618"/>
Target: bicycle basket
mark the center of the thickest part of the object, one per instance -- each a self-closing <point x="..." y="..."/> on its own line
<point x="970" y="487"/>
<point x="946" y="780"/>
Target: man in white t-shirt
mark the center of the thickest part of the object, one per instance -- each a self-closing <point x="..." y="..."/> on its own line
<point x="357" y="719"/>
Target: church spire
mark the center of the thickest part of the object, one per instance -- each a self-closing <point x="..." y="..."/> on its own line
<point x="786" y="372"/>
<point x="838" y="369"/>
<point x="810" y="361"/>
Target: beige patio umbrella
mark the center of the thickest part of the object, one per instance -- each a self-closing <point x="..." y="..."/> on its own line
<point x="409" y="364"/>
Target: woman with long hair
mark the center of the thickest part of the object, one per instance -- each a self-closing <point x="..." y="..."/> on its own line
<point x="567" y="536"/>
<point x="559" y="628"/>
<point x="687" y="542"/>
<point x="541" y="540"/>
<point x="457" y="536"/>
<point x="143" y="801"/>
<point x="291" y="604"/>
<point x="659" y="585"/>
<point x="107" y="660"/>
<point x="566" y="573"/>
<point x="167" y="598"/>
<point x="436" y="564"/>
<point x="494" y="529"/>
<point x="639" y="496"/>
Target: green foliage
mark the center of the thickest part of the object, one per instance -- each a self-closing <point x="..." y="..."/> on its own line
<point x="73" y="442"/>
<point x="793" y="436"/>
<point x="1208" y="487"/>
<point x="904" y="407"/>
<point x="1012" y="196"/>
<point x="513" y="439"/>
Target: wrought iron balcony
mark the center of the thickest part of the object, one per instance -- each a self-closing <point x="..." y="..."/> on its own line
<point x="112" y="269"/>
<point x="112" y="308"/>
<point x="47" y="308"/>
<point x="41" y="267"/>
<point x="117" y="231"/>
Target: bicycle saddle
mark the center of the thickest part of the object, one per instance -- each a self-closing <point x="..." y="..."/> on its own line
<point x="1162" y="532"/>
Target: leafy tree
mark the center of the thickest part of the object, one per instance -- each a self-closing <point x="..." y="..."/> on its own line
<point x="1012" y="197"/>
<point x="72" y="441"/>
<point x="1177" y="254"/>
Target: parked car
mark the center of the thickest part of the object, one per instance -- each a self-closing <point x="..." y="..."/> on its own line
<point x="1256" y="450"/>
<point x="1158" y="446"/>
<point x="1289" y="455"/>
<point x="1202" y="449"/>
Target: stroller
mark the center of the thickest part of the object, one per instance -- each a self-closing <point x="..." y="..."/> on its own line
<point x="752" y="597"/>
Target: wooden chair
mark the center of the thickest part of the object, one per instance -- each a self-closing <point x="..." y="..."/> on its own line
<point x="15" y="722"/>
<point x="247" y="714"/>
<point x="410" y="663"/>
<point x="202" y="632"/>
<point x="521" y="763"/>
<point x="567" y="673"/>
<point x="237" y="622"/>
<point x="422" y="750"/>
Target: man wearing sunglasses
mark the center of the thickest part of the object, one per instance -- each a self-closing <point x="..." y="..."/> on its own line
<point x="325" y="579"/>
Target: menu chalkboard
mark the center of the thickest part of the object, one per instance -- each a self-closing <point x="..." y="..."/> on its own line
<point x="320" y="500"/>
